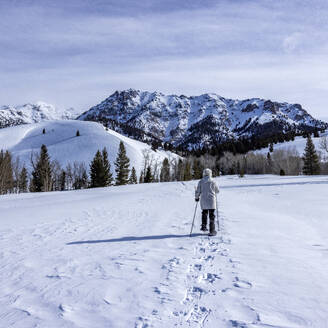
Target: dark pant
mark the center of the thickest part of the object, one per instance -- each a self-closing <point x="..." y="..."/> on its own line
<point x="212" y="219"/>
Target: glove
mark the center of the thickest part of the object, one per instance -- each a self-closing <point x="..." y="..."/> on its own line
<point x="197" y="199"/>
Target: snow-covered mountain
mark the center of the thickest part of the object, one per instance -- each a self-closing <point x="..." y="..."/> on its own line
<point x="64" y="146"/>
<point x="197" y="121"/>
<point x="32" y="113"/>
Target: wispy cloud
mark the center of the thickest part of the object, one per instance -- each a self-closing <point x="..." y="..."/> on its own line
<point x="74" y="53"/>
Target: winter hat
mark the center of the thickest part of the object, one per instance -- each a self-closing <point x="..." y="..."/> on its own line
<point x="207" y="172"/>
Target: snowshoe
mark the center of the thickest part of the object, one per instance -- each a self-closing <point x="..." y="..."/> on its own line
<point x="212" y="233"/>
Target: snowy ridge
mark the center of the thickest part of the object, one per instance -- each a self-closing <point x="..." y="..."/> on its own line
<point x="32" y="113"/>
<point x="63" y="145"/>
<point x="122" y="257"/>
<point x="199" y="120"/>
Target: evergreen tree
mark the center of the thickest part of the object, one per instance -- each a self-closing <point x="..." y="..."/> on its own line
<point x="148" y="177"/>
<point x="97" y="171"/>
<point x="44" y="131"/>
<point x="310" y="158"/>
<point x="122" y="164"/>
<point x="269" y="162"/>
<point x="108" y="177"/>
<point x="282" y="172"/>
<point x="133" y="176"/>
<point x="100" y="173"/>
<point x="62" y="180"/>
<point x="77" y="133"/>
<point x="23" y="180"/>
<point x="165" y="171"/>
<point x="42" y="174"/>
<point x="6" y="173"/>
<point x="141" y="178"/>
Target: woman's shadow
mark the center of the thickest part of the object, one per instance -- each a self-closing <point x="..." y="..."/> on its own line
<point x="133" y="238"/>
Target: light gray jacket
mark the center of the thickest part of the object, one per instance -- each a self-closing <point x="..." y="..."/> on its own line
<point x="206" y="191"/>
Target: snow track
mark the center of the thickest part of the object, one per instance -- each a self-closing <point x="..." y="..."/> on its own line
<point x="122" y="257"/>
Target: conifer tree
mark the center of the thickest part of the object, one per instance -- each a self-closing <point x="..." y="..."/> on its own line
<point x="23" y="180"/>
<point x="97" y="171"/>
<point x="77" y="133"/>
<point x="269" y="162"/>
<point x="108" y="177"/>
<point x="310" y="159"/>
<point x="141" y="178"/>
<point x="133" y="176"/>
<point x="42" y="174"/>
<point x="100" y="173"/>
<point x="165" y="171"/>
<point x="122" y="164"/>
<point x="62" y="180"/>
<point x="148" y="177"/>
<point x="6" y="173"/>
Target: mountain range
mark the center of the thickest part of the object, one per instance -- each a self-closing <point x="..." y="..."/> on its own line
<point x="198" y="121"/>
<point x="32" y="113"/>
<point x="187" y="122"/>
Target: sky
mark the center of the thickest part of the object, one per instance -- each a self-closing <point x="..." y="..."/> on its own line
<point x="75" y="53"/>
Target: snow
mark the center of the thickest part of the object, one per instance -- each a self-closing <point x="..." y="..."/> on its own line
<point x="64" y="146"/>
<point x="122" y="256"/>
<point x="298" y="144"/>
<point x="33" y="113"/>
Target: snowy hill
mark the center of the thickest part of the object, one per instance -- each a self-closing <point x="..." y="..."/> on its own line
<point x="64" y="146"/>
<point x="32" y="113"/>
<point x="198" y="121"/>
<point x="298" y="144"/>
<point x="122" y="257"/>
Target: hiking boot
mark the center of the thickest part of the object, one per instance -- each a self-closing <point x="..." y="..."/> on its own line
<point x="203" y="228"/>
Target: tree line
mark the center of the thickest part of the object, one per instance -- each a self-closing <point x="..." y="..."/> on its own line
<point x="279" y="162"/>
<point x="48" y="175"/>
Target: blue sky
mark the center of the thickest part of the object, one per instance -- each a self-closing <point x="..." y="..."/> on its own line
<point x="75" y="53"/>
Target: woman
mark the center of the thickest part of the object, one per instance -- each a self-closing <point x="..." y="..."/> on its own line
<point x="206" y="191"/>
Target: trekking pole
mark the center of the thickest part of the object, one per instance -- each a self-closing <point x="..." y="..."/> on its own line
<point x="192" y="226"/>
<point x="217" y="213"/>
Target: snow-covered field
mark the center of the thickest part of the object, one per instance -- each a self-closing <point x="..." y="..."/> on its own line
<point x="63" y="145"/>
<point x="122" y="257"/>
